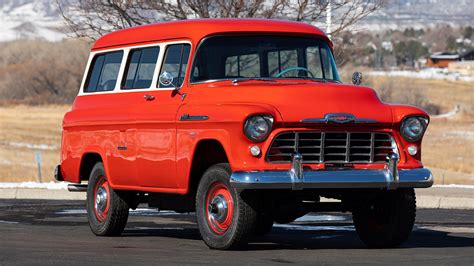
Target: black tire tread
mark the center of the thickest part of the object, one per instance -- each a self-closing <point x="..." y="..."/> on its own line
<point x="247" y="216"/>
<point x="402" y="203"/>
<point x="118" y="212"/>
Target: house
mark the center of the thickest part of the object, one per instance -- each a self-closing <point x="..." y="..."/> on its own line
<point x="442" y="59"/>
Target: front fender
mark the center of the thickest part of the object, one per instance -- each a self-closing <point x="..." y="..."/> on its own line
<point x="221" y="122"/>
<point x="400" y="112"/>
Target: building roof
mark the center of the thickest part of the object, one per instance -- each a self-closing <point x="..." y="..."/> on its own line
<point x="442" y="55"/>
<point x="196" y="29"/>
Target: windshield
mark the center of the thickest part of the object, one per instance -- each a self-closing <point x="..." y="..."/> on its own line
<point x="241" y="57"/>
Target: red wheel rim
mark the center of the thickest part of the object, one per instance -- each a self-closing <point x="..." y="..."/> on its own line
<point x="219" y="208"/>
<point x="101" y="199"/>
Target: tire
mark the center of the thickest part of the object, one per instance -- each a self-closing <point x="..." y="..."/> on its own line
<point x="264" y="225"/>
<point x="225" y="217"/>
<point x="109" y="217"/>
<point x="388" y="220"/>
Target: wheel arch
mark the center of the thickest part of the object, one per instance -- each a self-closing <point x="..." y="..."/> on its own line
<point x="88" y="161"/>
<point x="207" y="153"/>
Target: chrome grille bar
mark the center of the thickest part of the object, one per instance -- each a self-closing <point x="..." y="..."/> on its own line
<point x="332" y="147"/>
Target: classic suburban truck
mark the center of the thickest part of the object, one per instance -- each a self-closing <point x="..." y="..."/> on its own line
<point x="244" y="122"/>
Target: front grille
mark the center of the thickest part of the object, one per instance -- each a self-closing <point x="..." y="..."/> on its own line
<point x="331" y="147"/>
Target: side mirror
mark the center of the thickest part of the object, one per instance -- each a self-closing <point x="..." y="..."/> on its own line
<point x="357" y="78"/>
<point x="166" y="79"/>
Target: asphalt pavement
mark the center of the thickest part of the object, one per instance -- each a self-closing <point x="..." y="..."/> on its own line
<point x="56" y="232"/>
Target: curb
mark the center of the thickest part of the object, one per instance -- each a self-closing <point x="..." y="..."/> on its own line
<point x="40" y="194"/>
<point x="430" y="201"/>
<point x="434" y="202"/>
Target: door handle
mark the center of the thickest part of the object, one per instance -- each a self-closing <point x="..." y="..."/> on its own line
<point x="148" y="97"/>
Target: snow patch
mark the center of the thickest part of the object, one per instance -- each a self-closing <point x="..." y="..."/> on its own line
<point x="427" y="73"/>
<point x="455" y="186"/>
<point x="449" y="114"/>
<point x="319" y="218"/>
<point x="315" y="227"/>
<point x="30" y="19"/>
<point x="136" y="212"/>
<point x="29" y="145"/>
<point x="459" y="134"/>
<point x="50" y="185"/>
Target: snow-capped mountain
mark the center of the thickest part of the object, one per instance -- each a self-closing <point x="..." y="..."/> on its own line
<point x="421" y="14"/>
<point x="40" y="19"/>
<point x="30" y="19"/>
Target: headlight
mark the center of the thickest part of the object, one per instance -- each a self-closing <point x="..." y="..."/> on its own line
<point x="258" y="127"/>
<point x="413" y="128"/>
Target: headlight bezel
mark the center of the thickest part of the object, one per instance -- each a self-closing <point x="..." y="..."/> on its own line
<point x="407" y="120"/>
<point x="268" y="119"/>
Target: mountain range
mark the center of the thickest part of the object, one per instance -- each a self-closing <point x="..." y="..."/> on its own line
<point x="41" y="19"/>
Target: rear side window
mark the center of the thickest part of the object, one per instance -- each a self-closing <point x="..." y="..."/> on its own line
<point x="175" y="63"/>
<point x="103" y="72"/>
<point x="140" y="68"/>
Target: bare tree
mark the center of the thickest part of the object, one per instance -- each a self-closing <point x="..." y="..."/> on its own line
<point x="93" y="18"/>
<point x="30" y="74"/>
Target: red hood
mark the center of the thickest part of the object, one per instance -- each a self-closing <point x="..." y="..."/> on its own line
<point x="298" y="101"/>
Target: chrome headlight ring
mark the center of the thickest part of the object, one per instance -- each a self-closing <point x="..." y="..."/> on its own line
<point x="258" y="127"/>
<point x="413" y="128"/>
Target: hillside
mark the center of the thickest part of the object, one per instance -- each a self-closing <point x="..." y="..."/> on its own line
<point x="30" y="19"/>
<point x="40" y="19"/>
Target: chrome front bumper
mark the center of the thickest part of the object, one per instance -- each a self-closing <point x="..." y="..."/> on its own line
<point x="297" y="178"/>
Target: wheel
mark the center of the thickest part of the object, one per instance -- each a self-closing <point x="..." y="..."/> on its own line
<point x="388" y="220"/>
<point x="107" y="209"/>
<point x="226" y="218"/>
<point x="264" y="225"/>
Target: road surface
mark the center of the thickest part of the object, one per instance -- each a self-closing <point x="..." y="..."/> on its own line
<point x="56" y="232"/>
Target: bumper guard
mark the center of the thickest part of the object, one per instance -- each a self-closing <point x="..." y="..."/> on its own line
<point x="297" y="178"/>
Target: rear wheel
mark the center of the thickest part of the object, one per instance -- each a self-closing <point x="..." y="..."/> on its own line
<point x="388" y="220"/>
<point x="225" y="217"/>
<point x="107" y="209"/>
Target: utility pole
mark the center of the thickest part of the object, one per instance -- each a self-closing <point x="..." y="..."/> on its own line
<point x="328" y="19"/>
<point x="39" y="163"/>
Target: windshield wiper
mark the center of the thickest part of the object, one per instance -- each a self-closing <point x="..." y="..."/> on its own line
<point x="236" y="81"/>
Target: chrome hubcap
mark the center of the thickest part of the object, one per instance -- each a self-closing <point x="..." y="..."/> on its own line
<point x="218" y="208"/>
<point x="101" y="199"/>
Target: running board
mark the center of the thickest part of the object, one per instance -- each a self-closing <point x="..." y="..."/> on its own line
<point x="77" y="187"/>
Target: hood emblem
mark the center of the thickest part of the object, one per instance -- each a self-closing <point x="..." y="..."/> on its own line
<point x="338" y="118"/>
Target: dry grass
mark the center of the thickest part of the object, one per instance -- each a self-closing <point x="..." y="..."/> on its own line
<point x="23" y="131"/>
<point x="444" y="93"/>
<point x="448" y="147"/>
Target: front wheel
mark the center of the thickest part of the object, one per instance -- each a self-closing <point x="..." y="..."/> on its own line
<point x="107" y="209"/>
<point x="225" y="217"/>
<point x="387" y="220"/>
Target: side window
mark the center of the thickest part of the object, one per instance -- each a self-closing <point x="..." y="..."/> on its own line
<point x="313" y="57"/>
<point x="140" y="67"/>
<point x="327" y="64"/>
<point x="175" y="63"/>
<point x="103" y="72"/>
<point x="242" y="66"/>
